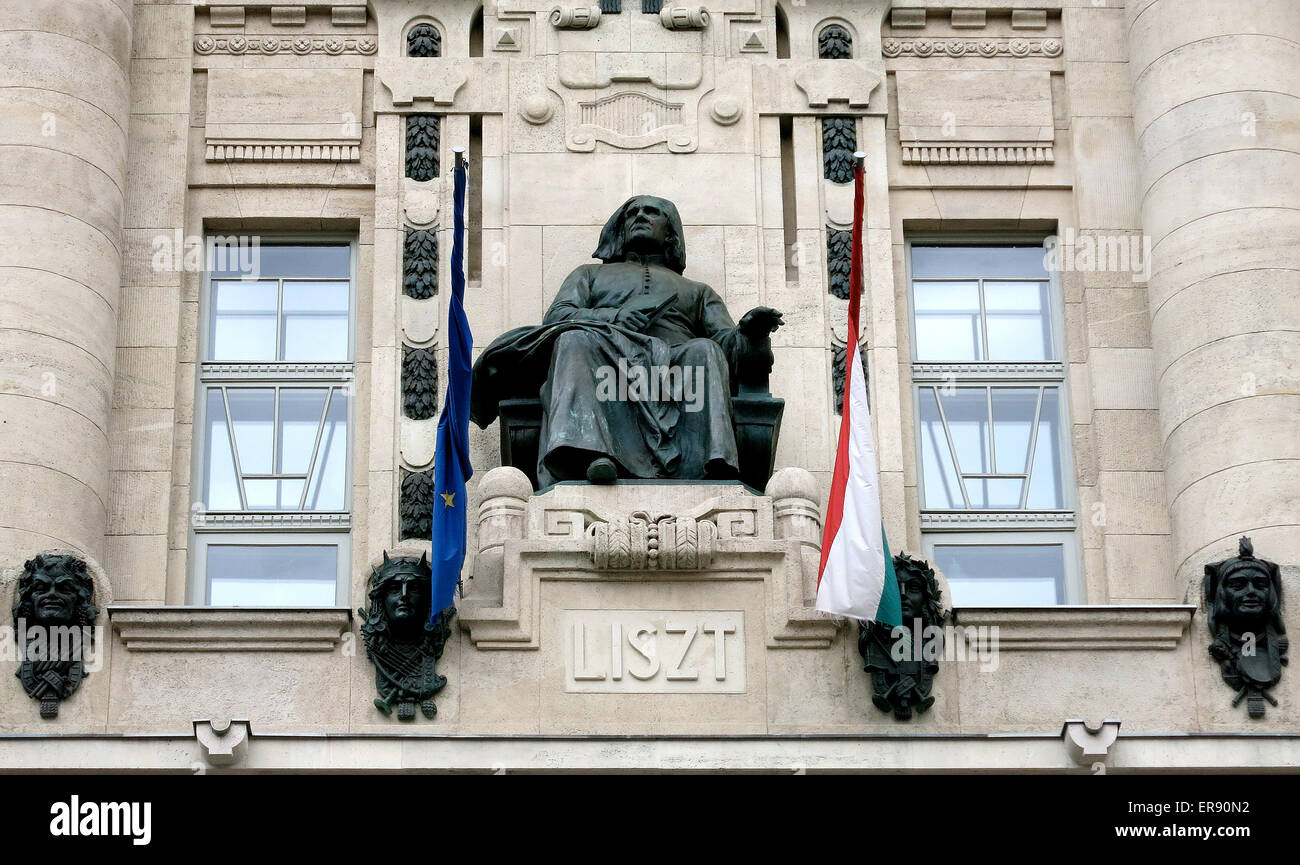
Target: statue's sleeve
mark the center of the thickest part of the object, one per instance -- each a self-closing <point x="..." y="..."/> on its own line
<point x="575" y="301"/>
<point x="718" y="326"/>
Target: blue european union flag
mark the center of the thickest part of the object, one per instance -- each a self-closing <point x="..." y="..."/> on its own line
<point x="451" y="462"/>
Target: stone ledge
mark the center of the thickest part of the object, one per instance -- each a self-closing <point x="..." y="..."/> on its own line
<point x="230" y="629"/>
<point x="1102" y="627"/>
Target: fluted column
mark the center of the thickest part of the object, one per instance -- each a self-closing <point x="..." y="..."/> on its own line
<point x="64" y="102"/>
<point x="1217" y="114"/>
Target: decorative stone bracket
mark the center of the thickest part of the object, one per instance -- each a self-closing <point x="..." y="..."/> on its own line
<point x="224" y="741"/>
<point x="818" y="87"/>
<point x="1089" y="745"/>
<point x="565" y="534"/>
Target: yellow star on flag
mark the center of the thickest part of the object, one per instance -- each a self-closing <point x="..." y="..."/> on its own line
<point x="447" y="499"/>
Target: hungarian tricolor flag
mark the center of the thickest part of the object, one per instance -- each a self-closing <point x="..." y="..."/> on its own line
<point x="856" y="577"/>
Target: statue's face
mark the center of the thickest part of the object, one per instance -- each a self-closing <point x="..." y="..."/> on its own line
<point x="406" y="598"/>
<point x="645" y="225"/>
<point x="55" y="595"/>
<point x="1247" y="594"/>
<point x="913" y="597"/>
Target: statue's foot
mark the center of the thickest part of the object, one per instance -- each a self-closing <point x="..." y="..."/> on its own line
<point x="602" y="471"/>
<point x="718" y="470"/>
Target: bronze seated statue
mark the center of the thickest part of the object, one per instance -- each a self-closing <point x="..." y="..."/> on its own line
<point x="636" y="371"/>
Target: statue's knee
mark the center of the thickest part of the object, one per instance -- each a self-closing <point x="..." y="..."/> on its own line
<point x="573" y="340"/>
<point x="702" y="351"/>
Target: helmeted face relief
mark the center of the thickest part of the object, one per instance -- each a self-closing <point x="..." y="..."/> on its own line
<point x="406" y="598"/>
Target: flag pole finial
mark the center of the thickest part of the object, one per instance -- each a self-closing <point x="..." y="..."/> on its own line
<point x="860" y="157"/>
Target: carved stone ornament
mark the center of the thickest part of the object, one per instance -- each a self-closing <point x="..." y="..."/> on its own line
<point x="422" y="135"/>
<point x="1243" y="599"/>
<point x="420" y="263"/>
<point x="903" y="667"/>
<point x="575" y="17"/>
<point x="643" y="541"/>
<point x="415" y="505"/>
<point x="54" y="621"/>
<point x="839" y="357"/>
<point x="401" y="641"/>
<point x="419" y="382"/>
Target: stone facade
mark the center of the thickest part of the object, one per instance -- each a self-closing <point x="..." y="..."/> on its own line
<point x="1168" y="127"/>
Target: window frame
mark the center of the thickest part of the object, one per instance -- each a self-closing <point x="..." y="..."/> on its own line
<point x="270" y="527"/>
<point x="990" y="526"/>
<point x="1072" y="586"/>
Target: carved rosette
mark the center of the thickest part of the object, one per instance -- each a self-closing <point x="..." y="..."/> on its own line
<point x="642" y="542"/>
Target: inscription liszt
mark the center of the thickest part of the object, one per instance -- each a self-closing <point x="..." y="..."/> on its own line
<point x="654" y="651"/>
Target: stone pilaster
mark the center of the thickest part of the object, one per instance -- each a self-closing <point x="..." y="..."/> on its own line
<point x="64" y="96"/>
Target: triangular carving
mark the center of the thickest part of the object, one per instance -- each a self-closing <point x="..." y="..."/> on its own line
<point x="754" y="42"/>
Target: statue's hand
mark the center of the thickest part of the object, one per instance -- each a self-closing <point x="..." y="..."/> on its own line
<point x="760" y="322"/>
<point x="632" y="319"/>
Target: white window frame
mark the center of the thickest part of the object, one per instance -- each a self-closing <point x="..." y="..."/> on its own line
<point x="1012" y="527"/>
<point x="262" y="527"/>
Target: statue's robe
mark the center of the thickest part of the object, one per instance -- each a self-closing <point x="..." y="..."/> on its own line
<point x="578" y="338"/>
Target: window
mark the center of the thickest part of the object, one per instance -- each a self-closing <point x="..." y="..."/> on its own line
<point x="273" y="427"/>
<point x="997" y="507"/>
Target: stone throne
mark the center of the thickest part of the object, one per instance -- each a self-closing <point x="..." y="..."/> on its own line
<point x="756" y="415"/>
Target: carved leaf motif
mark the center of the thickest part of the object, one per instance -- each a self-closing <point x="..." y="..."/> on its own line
<point x="834" y="43"/>
<point x="424" y="40"/>
<point x="422" y="131"/>
<point x="839" y="257"/>
<point x="415" y="504"/>
<point x="839" y="142"/>
<point x="419" y="383"/>
<point x="420" y="263"/>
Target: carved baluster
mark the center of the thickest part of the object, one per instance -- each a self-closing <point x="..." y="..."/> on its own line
<point x="796" y="514"/>
<point x="505" y="492"/>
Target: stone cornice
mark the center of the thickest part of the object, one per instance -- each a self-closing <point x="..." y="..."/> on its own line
<point x="229" y="629"/>
<point x="1089" y="628"/>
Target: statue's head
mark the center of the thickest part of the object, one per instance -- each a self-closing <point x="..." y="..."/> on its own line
<point x="400" y="595"/>
<point x="918" y="588"/>
<point x="56" y="590"/>
<point x="1244" y="593"/>
<point x="644" y="223"/>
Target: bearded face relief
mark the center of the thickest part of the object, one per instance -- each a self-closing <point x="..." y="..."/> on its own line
<point x="1243" y="598"/>
<point x="54" y="615"/>
<point x="901" y="682"/>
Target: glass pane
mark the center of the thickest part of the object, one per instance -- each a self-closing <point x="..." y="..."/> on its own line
<point x="272" y="576"/>
<point x="1003" y="575"/>
<point x="940" y="478"/>
<point x="1013" y="421"/>
<point x="272" y="494"/>
<point x="220" y="487"/>
<point x="300" y="417"/>
<point x="1019" y="323"/>
<point x="948" y="321"/>
<point x="996" y="493"/>
<point x="966" y="409"/>
<point x="303" y="262"/>
<point x="978" y="262"/>
<point x="329" y="482"/>
<point x="243" y="321"/>
<point x="1046" y="486"/>
<point x="315" y="321"/>
<point x="252" y="411"/>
